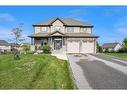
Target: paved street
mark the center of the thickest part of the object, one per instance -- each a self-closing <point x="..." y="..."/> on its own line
<point x="99" y="72"/>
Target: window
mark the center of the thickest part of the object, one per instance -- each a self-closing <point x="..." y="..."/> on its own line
<point x="84" y="29"/>
<point x="70" y="29"/>
<point x="44" y="29"/>
<point x="57" y="28"/>
<point x="90" y="41"/>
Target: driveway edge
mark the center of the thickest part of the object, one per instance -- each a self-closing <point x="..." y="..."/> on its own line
<point x="71" y="74"/>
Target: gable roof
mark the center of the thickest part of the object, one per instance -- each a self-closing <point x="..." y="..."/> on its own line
<point x="109" y="45"/>
<point x="4" y="43"/>
<point x="65" y="21"/>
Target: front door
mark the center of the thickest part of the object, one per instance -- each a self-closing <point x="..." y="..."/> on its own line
<point x="57" y="44"/>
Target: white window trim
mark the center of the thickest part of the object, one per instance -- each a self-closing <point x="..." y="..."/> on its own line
<point x="56" y="28"/>
<point x="70" y="29"/>
<point x="84" y="29"/>
<point x="44" y="29"/>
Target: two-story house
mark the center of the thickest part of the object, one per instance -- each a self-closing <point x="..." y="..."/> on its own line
<point x="69" y="35"/>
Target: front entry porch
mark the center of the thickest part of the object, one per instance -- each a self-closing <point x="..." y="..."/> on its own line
<point x="55" y="42"/>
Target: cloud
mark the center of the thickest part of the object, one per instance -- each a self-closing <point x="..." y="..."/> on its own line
<point x="6" y="17"/>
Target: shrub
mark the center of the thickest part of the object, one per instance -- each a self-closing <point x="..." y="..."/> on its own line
<point x="25" y="48"/>
<point x="106" y="50"/>
<point x="100" y="49"/>
<point x="112" y="51"/>
<point x="122" y="50"/>
<point x="16" y="54"/>
<point x="46" y="49"/>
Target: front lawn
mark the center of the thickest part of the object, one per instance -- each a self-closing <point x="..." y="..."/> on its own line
<point x="118" y="55"/>
<point x="34" y="72"/>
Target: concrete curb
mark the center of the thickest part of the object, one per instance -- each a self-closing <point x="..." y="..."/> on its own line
<point x="71" y="74"/>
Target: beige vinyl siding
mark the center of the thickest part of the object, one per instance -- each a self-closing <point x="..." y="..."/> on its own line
<point x="88" y="30"/>
<point x="80" y="29"/>
<point x="38" y="29"/>
<point x="63" y="29"/>
<point x="75" y="29"/>
<point x="57" y="23"/>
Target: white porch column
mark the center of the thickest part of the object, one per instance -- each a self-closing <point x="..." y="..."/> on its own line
<point x="49" y="41"/>
<point x="32" y="47"/>
<point x="32" y="41"/>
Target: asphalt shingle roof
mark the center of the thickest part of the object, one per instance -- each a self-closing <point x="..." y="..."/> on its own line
<point x="66" y="34"/>
<point x="66" y="21"/>
<point x="109" y="45"/>
<point x="4" y="43"/>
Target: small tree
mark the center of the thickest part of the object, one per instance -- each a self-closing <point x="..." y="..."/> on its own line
<point x="16" y="32"/>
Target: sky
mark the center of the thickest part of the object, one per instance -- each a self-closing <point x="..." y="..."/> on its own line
<point x="110" y="22"/>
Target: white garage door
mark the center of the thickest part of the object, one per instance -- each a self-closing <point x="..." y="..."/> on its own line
<point x="73" y="46"/>
<point x="87" y="47"/>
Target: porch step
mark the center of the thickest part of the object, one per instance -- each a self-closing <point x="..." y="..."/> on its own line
<point x="60" y="51"/>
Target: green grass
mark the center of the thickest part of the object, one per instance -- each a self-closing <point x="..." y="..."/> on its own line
<point x="34" y="72"/>
<point x="118" y="55"/>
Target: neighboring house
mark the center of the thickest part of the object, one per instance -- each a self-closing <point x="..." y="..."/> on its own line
<point x="69" y="35"/>
<point x="5" y="46"/>
<point x="111" y="46"/>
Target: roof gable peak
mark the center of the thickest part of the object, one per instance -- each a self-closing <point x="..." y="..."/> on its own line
<point x="56" y="20"/>
<point x="57" y="33"/>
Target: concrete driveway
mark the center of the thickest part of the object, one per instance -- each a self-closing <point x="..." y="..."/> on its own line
<point x="94" y="71"/>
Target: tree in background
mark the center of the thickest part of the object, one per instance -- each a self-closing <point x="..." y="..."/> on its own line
<point x="99" y="48"/>
<point x="106" y="50"/>
<point x="125" y="44"/>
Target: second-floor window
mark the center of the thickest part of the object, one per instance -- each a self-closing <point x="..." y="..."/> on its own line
<point x="57" y="28"/>
<point x="43" y="29"/>
<point x="84" y="29"/>
<point x="70" y="29"/>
